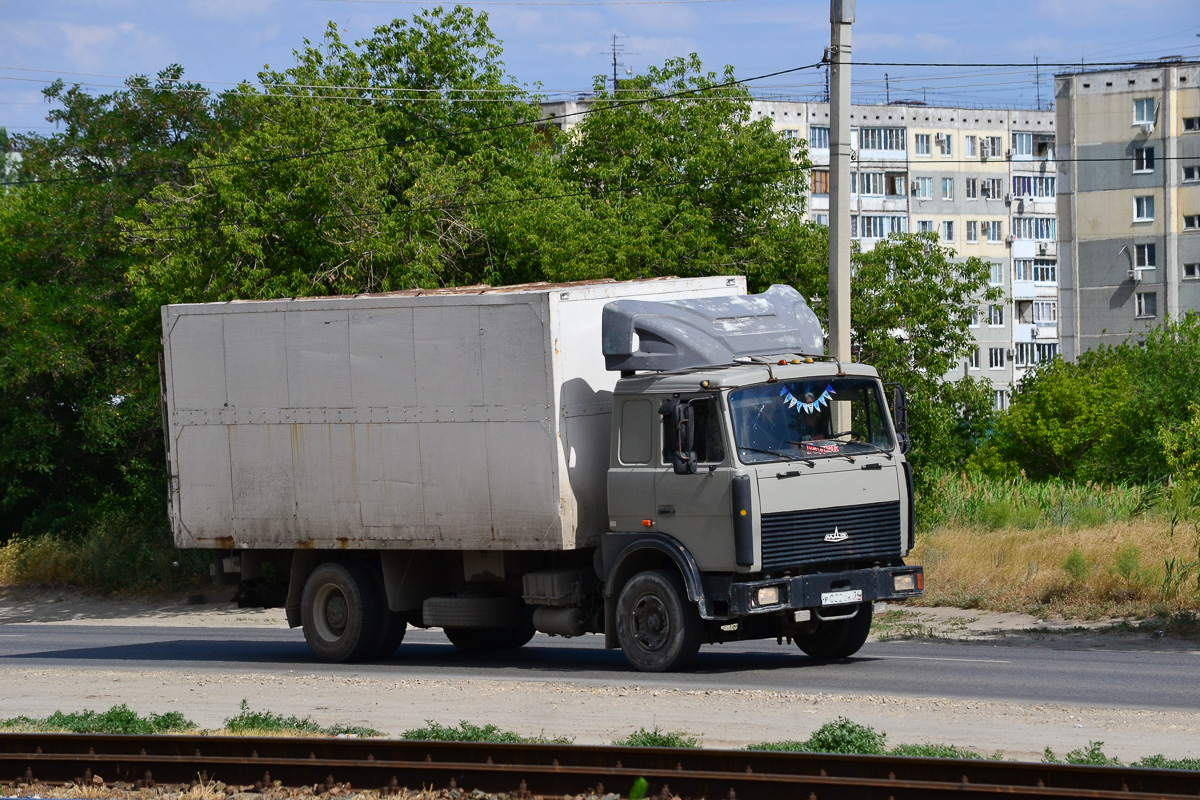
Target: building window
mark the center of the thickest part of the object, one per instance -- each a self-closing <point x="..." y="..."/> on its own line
<point x="1046" y="351"/>
<point x="1191" y="173"/>
<point x="1024" y="356"/>
<point x="1045" y="312"/>
<point x="924" y="226"/>
<point x="1144" y="255"/>
<point x="1143" y="111"/>
<point x="1143" y="208"/>
<point x="1191" y="124"/>
<point x="995" y="358"/>
<point x="995" y="316"/>
<point x="1042" y="229"/>
<point x="1143" y="159"/>
<point x="1045" y="270"/>
<point x="971" y="188"/>
<point x="1022" y="269"/>
<point x="1043" y="146"/>
<point x="871" y="227"/>
<point x="971" y="149"/>
<point x="1147" y="304"/>
<point x="1022" y="144"/>
<point x="1191" y="271"/>
<point x="821" y="219"/>
<point x="973" y="359"/>
<point x="881" y="139"/>
<point x="819" y="137"/>
<point x="994" y="230"/>
<point x="991" y="147"/>
<point x="922" y="188"/>
<point x="973" y="321"/>
<point x="896" y="184"/>
<point x="997" y="276"/>
<point x="1191" y="222"/>
<point x="921" y="144"/>
<point x="1022" y="186"/>
<point x="945" y="144"/>
<point x="1043" y="187"/>
<point x="990" y="188"/>
<point x="820" y="181"/>
<point x="972" y="231"/>
<point x="999" y="399"/>
<point x="897" y="224"/>
<point x="948" y="231"/>
<point x="947" y="188"/>
<point x="871" y="183"/>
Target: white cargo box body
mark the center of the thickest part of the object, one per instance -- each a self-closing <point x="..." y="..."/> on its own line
<point x="457" y="420"/>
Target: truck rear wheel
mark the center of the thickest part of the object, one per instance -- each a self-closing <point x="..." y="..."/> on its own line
<point x="840" y="638"/>
<point x="657" y="626"/>
<point x="341" y="613"/>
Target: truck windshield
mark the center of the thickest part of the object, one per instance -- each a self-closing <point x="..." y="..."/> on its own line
<point x="790" y="420"/>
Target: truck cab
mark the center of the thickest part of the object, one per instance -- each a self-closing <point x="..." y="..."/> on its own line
<point x="769" y="494"/>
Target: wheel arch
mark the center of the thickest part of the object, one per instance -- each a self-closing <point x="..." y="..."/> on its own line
<point x="643" y="554"/>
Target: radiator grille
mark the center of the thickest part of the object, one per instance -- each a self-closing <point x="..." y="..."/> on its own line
<point x="798" y="537"/>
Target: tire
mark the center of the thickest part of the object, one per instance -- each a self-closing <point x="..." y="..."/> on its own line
<point x="341" y="612"/>
<point x="838" y="639"/>
<point x="485" y="640"/>
<point x="392" y="626"/>
<point x="391" y="634"/>
<point x="658" y="627"/>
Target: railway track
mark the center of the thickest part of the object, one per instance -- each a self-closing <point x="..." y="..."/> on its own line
<point x="525" y="771"/>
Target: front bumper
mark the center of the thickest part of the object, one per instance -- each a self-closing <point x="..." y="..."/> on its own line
<point x="805" y="591"/>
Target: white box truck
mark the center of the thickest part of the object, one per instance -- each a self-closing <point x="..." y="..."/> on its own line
<point x="652" y="460"/>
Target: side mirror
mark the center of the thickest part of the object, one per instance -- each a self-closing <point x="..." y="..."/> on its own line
<point x="681" y="433"/>
<point x="900" y="416"/>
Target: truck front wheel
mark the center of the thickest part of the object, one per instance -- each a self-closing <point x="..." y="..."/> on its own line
<point x="657" y="626"/>
<point x="840" y="638"/>
<point x="341" y="613"/>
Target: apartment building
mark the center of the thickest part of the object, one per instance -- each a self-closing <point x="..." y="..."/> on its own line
<point x="984" y="180"/>
<point x="1128" y="200"/>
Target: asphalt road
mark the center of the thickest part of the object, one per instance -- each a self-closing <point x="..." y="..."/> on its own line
<point x="1025" y="672"/>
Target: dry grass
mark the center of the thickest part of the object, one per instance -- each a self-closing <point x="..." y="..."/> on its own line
<point x="1119" y="569"/>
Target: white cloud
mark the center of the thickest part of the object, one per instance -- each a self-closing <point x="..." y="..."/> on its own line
<point x="92" y="47"/>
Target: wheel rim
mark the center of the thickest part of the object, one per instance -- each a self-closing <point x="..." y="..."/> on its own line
<point x="331" y="613"/>
<point x="651" y="622"/>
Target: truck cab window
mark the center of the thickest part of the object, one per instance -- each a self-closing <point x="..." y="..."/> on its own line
<point x="635" y="432"/>
<point x="709" y="444"/>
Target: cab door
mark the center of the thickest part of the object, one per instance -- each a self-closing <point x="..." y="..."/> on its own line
<point x="697" y="509"/>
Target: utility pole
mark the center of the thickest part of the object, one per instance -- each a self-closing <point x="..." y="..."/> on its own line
<point x="614" y="55"/>
<point x="841" y="15"/>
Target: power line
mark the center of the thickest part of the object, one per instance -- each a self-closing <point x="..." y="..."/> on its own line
<point x="614" y="105"/>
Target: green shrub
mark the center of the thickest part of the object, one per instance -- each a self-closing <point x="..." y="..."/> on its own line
<point x="1129" y="564"/>
<point x="1162" y="762"/>
<point x="469" y="732"/>
<point x="247" y="721"/>
<point x="1088" y="517"/>
<point x="118" y="719"/>
<point x="1092" y="755"/>
<point x="1076" y="566"/>
<point x="844" y="736"/>
<point x="658" y="738"/>
<point x="932" y="751"/>
<point x="996" y="515"/>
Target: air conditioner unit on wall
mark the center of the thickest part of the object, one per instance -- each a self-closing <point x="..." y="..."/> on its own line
<point x="1009" y="239"/>
<point x="1147" y="127"/>
<point x="1042" y="249"/>
<point x="1008" y="198"/>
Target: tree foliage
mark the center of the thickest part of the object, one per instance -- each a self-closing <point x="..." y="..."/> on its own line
<point x="1118" y="414"/>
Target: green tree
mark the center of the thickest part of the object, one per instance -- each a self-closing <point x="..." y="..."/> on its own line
<point x="1115" y="415"/>
<point x="358" y="170"/>
<point x="77" y="414"/>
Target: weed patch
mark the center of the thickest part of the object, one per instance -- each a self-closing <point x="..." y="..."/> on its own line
<point x="247" y="721"/>
<point x="118" y="719"/>
<point x="658" y="738"/>
<point x="468" y="732"/>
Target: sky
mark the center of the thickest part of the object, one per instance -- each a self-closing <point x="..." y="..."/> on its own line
<point x="563" y="44"/>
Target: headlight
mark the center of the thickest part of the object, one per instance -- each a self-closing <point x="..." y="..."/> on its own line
<point x="767" y="596"/>
<point x="904" y="583"/>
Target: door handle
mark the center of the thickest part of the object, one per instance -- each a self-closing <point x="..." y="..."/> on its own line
<point x="666" y="511"/>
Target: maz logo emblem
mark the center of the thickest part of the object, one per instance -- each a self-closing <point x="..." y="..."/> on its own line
<point x="836" y="536"/>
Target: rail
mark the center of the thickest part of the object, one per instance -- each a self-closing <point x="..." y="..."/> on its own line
<point x="525" y="771"/>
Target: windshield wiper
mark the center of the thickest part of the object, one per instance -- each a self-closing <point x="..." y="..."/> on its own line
<point x="777" y="454"/>
<point x="874" y="448"/>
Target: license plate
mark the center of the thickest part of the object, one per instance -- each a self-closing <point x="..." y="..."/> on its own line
<point x="841" y="598"/>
